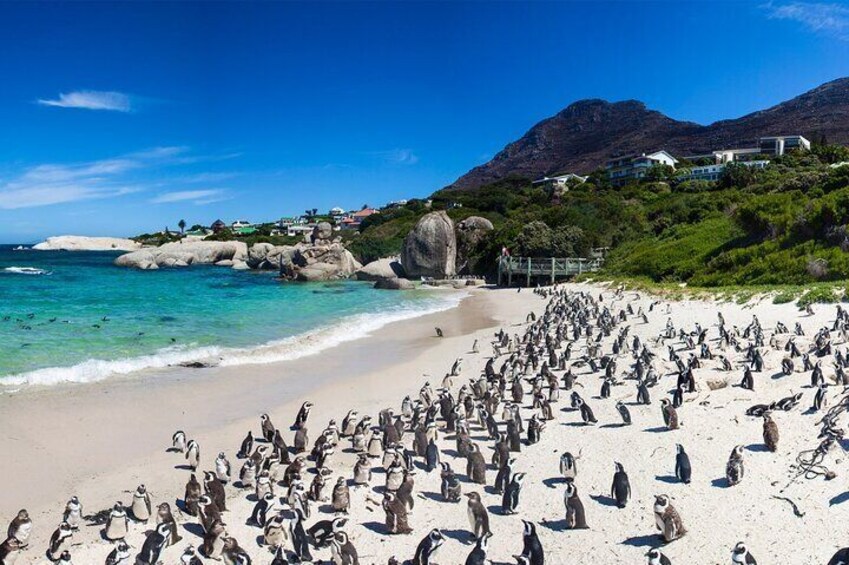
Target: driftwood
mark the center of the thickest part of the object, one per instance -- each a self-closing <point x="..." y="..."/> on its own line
<point x="796" y="510"/>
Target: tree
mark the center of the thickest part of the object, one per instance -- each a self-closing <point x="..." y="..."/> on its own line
<point x="182" y="225"/>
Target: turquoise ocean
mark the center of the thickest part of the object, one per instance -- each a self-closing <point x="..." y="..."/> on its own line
<point x="75" y="317"/>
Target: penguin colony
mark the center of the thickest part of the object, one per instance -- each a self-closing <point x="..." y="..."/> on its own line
<point x="301" y="499"/>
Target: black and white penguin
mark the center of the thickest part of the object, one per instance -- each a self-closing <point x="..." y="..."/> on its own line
<point x="117" y="523"/>
<point x="262" y="509"/>
<point x="682" y="464"/>
<point x="670" y="415"/>
<point x="587" y="415"/>
<point x="510" y="499"/>
<point x="624" y="413"/>
<point x="164" y="516"/>
<point x="10" y="550"/>
<point x="153" y="545"/>
<point x="193" y="454"/>
<point x="247" y="446"/>
<point x="59" y="541"/>
<point x="73" y="514"/>
<point x="178" y="441"/>
<point x="300" y="539"/>
<point x="620" y="491"/>
<point x="643" y="396"/>
<point x="344" y="552"/>
<point x="532" y="550"/>
<point x="478" y="554"/>
<point x="575" y="516"/>
<point x="656" y="557"/>
<point x="450" y="486"/>
<point x="840" y="558"/>
<point x="505" y="472"/>
<point x="120" y="555"/>
<point x="431" y="456"/>
<point x="20" y="527"/>
<point x="478" y="515"/>
<point x="303" y="415"/>
<point x="267" y="427"/>
<point x="428" y="547"/>
<point x="740" y="555"/>
<point x="568" y="466"/>
<point x="322" y="533"/>
<point x="819" y="398"/>
<point x="215" y="490"/>
<point x="734" y="468"/>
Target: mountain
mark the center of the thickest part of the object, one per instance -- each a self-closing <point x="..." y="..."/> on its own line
<point x="587" y="133"/>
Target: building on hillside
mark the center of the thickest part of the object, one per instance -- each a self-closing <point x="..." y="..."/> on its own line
<point x="218" y="226"/>
<point x="349" y="224"/>
<point x="560" y="182"/>
<point x="714" y="172"/>
<point x="245" y="230"/>
<point x="780" y="145"/>
<point x="336" y="212"/>
<point x="622" y="170"/>
<point x="364" y="213"/>
<point x="396" y="203"/>
<point x="298" y="230"/>
<point x="239" y="224"/>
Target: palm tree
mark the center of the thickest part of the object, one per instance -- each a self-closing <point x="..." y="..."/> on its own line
<point x="182" y="225"/>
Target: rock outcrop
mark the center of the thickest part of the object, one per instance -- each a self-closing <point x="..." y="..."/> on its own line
<point x="386" y="268"/>
<point x="184" y="254"/>
<point x="470" y="232"/>
<point x="394" y="283"/>
<point x="83" y="243"/>
<point x="321" y="263"/>
<point x="265" y="256"/>
<point x="430" y="249"/>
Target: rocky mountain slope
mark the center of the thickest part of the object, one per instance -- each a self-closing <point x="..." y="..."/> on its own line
<point x="588" y="132"/>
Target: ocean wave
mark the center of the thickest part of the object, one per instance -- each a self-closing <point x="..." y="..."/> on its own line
<point x="32" y="271"/>
<point x="287" y="349"/>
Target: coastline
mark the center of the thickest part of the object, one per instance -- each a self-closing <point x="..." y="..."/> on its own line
<point x="97" y="440"/>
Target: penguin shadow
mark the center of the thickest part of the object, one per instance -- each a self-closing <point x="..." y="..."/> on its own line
<point x="552" y="482"/>
<point x="613" y="425"/>
<point x="497" y="510"/>
<point x="757" y="448"/>
<point x="379" y="489"/>
<point x="463" y="536"/>
<point x="668" y="479"/>
<point x="720" y="482"/>
<point x="194" y="529"/>
<point x="604" y="500"/>
<point x="657" y="429"/>
<point x="435" y="496"/>
<point x="555" y="525"/>
<point x="451" y="453"/>
<point x="839" y="499"/>
<point x="643" y="541"/>
<point x="172" y="450"/>
<point x="252" y="497"/>
<point x="185" y="468"/>
<point x="778" y="375"/>
<point x="575" y="424"/>
<point x="376" y="527"/>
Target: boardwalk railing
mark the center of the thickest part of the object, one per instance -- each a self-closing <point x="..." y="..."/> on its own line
<point x="550" y="267"/>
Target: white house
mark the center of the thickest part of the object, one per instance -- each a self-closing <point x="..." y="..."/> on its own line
<point x="714" y="172"/>
<point x="238" y="224"/>
<point x="560" y="181"/>
<point x="621" y="170"/>
<point x="336" y="211"/>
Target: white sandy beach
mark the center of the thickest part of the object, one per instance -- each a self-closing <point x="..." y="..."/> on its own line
<point x="99" y="441"/>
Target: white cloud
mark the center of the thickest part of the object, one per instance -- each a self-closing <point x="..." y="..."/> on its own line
<point x="91" y="100"/>
<point x="195" y="196"/>
<point x="397" y="156"/>
<point x="52" y="183"/>
<point x="829" y="19"/>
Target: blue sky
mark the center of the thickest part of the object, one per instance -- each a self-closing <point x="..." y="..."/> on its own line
<point x="122" y="118"/>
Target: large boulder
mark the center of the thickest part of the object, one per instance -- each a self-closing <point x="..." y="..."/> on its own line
<point x="311" y="263"/>
<point x="266" y="256"/>
<point x="394" y="283"/>
<point x="381" y="269"/>
<point x="322" y="232"/>
<point x="179" y="254"/>
<point x="83" y="243"/>
<point x="470" y="232"/>
<point x="430" y="249"/>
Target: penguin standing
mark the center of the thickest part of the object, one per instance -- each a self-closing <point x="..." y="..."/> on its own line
<point x="428" y="547"/>
<point x="300" y="539"/>
<point x="73" y="513"/>
<point x="667" y="519"/>
<point x="620" y="491"/>
<point x="682" y="465"/>
<point x="193" y="454"/>
<point x="476" y="466"/>
<point x="568" y="466"/>
<point x="478" y="515"/>
<point x="770" y="432"/>
<point x="153" y="545"/>
<point x="575" y="517"/>
<point x="478" y="554"/>
<point x="59" y="541"/>
<point x="20" y="527"/>
<point x="322" y="533"/>
<point x="116" y="523"/>
<point x="624" y="413"/>
<point x="510" y="499"/>
<point x="222" y="468"/>
<point x="247" y="447"/>
<point x="431" y="456"/>
<point x="344" y="552"/>
<point x="505" y="472"/>
<point x="396" y="514"/>
<point x="303" y="415"/>
<point x="587" y="415"/>
<point x="341" y="498"/>
<point x="164" y="516"/>
<point x="267" y="427"/>
<point x="141" y="507"/>
<point x="734" y="467"/>
<point x="670" y="415"/>
<point x="178" y="441"/>
<point x="10" y="550"/>
<point x="262" y="509"/>
<point x="532" y="550"/>
<point x="740" y="555"/>
<point x="193" y="494"/>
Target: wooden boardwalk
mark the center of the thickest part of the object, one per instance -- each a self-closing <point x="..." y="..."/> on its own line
<point x="549" y="267"/>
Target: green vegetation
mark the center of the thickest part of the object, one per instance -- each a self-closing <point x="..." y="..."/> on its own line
<point x="786" y="224"/>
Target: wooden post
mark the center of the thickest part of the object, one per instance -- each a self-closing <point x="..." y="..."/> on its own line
<point x="528" y="284"/>
<point x="510" y="271"/>
<point x="580" y="264"/>
<point x="552" y="271"/>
